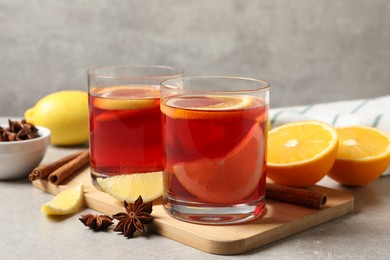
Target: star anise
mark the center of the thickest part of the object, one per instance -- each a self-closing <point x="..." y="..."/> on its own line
<point x="18" y="131"/>
<point x="8" y="136"/>
<point x="136" y="217"/>
<point x="96" y="222"/>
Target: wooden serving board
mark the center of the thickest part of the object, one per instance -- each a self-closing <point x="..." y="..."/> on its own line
<point x="281" y="219"/>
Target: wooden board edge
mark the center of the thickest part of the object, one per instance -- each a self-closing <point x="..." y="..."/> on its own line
<point x="244" y="245"/>
<point x="310" y="222"/>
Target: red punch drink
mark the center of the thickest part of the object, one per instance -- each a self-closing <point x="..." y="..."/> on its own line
<point x="125" y="130"/>
<point x="214" y="156"/>
<point x="125" y="126"/>
<point x="215" y="161"/>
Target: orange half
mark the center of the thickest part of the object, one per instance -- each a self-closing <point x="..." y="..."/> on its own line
<point x="363" y="156"/>
<point x="300" y="154"/>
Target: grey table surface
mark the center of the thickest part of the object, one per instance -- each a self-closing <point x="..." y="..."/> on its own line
<point x="25" y="233"/>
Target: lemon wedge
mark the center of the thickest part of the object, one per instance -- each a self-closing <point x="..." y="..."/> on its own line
<point x="129" y="186"/>
<point x="65" y="202"/>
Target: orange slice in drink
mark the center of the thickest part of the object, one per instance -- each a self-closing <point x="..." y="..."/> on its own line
<point x="195" y="107"/>
<point x="300" y="154"/>
<point x="126" y="98"/>
<point x="229" y="179"/>
<point x="363" y="155"/>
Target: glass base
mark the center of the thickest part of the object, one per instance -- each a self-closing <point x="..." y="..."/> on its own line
<point x="94" y="176"/>
<point x="200" y="213"/>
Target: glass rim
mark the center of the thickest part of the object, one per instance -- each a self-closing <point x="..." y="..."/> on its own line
<point x="94" y="72"/>
<point x="265" y="85"/>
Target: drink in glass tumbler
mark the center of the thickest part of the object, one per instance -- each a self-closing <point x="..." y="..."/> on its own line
<point x="215" y="142"/>
<point x="125" y="120"/>
<point x="125" y="129"/>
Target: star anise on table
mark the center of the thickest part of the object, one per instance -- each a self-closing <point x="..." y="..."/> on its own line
<point x="96" y="222"/>
<point x="135" y="218"/>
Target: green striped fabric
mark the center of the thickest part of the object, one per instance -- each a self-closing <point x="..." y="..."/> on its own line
<point x="373" y="112"/>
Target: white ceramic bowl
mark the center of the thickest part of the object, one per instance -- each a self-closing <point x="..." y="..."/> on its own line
<point x="19" y="158"/>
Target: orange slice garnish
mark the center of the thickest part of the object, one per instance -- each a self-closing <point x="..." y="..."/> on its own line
<point x="197" y="107"/>
<point x="228" y="179"/>
<point x="126" y="98"/>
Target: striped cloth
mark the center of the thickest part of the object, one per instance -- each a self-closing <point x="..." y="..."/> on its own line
<point x="373" y="112"/>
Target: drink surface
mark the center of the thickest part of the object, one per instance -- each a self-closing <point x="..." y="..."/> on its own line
<point x="214" y="148"/>
<point x="125" y="130"/>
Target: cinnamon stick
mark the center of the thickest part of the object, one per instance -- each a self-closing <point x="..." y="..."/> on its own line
<point x="43" y="171"/>
<point x="303" y="197"/>
<point x="69" y="168"/>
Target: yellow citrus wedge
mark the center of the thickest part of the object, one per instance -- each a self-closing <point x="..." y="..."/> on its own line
<point x="193" y="107"/>
<point x="363" y="155"/>
<point x="65" y="202"/>
<point x="129" y="186"/>
<point x="126" y="97"/>
<point x="300" y="154"/>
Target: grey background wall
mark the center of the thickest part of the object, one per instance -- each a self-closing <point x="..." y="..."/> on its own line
<point x="310" y="51"/>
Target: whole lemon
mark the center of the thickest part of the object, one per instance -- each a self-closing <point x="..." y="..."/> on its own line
<point x="65" y="113"/>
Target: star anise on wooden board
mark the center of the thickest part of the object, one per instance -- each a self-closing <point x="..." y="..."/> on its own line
<point x="96" y="222"/>
<point x="135" y="218"/>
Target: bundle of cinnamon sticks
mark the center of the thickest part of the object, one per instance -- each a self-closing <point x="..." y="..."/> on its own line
<point x="62" y="169"/>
